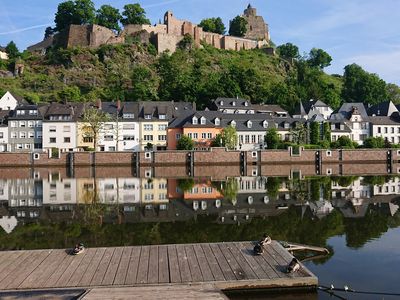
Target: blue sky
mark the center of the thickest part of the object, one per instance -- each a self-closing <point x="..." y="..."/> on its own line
<point x="366" y="32"/>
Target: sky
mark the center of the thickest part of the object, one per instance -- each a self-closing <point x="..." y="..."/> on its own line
<point x="366" y="32"/>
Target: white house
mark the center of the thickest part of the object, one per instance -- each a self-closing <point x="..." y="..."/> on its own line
<point x="3" y="53"/>
<point x="8" y="101"/>
<point x="3" y="138"/>
<point x="60" y="126"/>
<point x="310" y="108"/>
<point x="119" y="190"/>
<point x="58" y="190"/>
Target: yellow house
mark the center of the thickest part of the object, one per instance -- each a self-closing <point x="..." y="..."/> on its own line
<point x="154" y="190"/>
<point x="84" y="138"/>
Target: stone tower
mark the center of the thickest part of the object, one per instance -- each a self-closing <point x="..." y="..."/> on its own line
<point x="257" y="29"/>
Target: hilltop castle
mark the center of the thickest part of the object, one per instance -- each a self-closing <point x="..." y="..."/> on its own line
<point x="163" y="36"/>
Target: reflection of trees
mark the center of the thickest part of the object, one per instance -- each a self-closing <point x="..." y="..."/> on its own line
<point x="272" y="185"/>
<point x="228" y="189"/>
<point x="344" y="180"/>
<point x="185" y="184"/>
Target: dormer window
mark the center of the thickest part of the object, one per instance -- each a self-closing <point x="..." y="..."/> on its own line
<point x="195" y="121"/>
<point x="162" y="117"/>
<point x="147" y="117"/>
<point x="128" y="116"/>
<point x="286" y="125"/>
<point x="265" y="124"/>
<point x="217" y="122"/>
<point x="249" y="124"/>
<point x="234" y="103"/>
<point x="221" y="103"/>
<point x="203" y="121"/>
<point x="233" y="123"/>
<point x="246" y="104"/>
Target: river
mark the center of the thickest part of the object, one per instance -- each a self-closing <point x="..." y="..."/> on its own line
<point x="356" y="218"/>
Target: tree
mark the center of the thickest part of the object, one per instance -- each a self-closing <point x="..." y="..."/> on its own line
<point x="229" y="137"/>
<point x="134" y="14"/>
<point x="74" y="12"/>
<point x="374" y="142"/>
<point x="49" y="31"/>
<point x="288" y="51"/>
<point x="12" y="50"/>
<point x="93" y="123"/>
<point x="344" y="142"/>
<point x="213" y="25"/>
<point x="187" y="42"/>
<point x="185" y="143"/>
<point x="272" y="138"/>
<point x="70" y="94"/>
<point x="217" y="142"/>
<point x="319" y="58"/>
<point x="326" y="133"/>
<point x="315" y="133"/>
<point x="393" y="92"/>
<point x="299" y="133"/>
<point x="361" y="86"/>
<point x="109" y="17"/>
<point x="238" y="26"/>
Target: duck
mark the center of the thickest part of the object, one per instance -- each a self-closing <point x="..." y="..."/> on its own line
<point x="78" y="249"/>
<point x="293" y="266"/>
<point x="266" y="239"/>
<point x="258" y="249"/>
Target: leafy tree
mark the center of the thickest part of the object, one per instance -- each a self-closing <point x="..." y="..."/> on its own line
<point x="344" y="142"/>
<point x="74" y="12"/>
<point x="213" y="25"/>
<point x="186" y="184"/>
<point x="185" y="143"/>
<point x="229" y="137"/>
<point x="93" y="123"/>
<point x="327" y="131"/>
<point x="238" y="26"/>
<point x="393" y="92"/>
<point x="70" y="94"/>
<point x="49" y="31"/>
<point x="299" y="133"/>
<point x="134" y="14"/>
<point x="272" y="138"/>
<point x="374" y="142"/>
<point x="109" y="17"/>
<point x="361" y="86"/>
<point x="187" y="42"/>
<point x="319" y="58"/>
<point x="12" y="50"/>
<point x="218" y="141"/>
<point x="288" y="51"/>
<point x="315" y="133"/>
<point x="144" y="84"/>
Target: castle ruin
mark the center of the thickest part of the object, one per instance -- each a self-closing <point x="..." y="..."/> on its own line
<point x="165" y="37"/>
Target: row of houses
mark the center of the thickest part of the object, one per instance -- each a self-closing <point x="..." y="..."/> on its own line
<point x="138" y="126"/>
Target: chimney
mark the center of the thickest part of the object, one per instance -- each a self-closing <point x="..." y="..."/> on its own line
<point x="98" y="104"/>
<point x="118" y="104"/>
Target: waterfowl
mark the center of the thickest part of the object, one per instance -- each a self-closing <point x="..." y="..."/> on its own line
<point x="266" y="240"/>
<point x="293" y="266"/>
<point x="78" y="249"/>
<point x="258" y="249"/>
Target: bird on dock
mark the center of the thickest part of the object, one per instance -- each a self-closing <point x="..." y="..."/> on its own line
<point x="259" y="247"/>
<point x="78" y="249"/>
<point x="293" y="266"/>
<point x="266" y="240"/>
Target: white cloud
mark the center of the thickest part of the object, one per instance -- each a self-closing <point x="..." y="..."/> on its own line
<point x="24" y="29"/>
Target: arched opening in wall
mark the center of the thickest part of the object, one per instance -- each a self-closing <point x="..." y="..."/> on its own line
<point x="251" y="28"/>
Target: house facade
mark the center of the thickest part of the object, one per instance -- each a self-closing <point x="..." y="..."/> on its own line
<point x="10" y="102"/>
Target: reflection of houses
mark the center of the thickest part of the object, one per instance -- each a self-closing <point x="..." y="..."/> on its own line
<point x="8" y="223"/>
<point x="154" y="190"/>
<point x="118" y="190"/>
<point x="26" y="197"/>
<point x="57" y="190"/>
<point x="391" y="187"/>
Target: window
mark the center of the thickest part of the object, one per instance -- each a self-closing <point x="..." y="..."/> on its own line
<point x="22" y="135"/>
<point x="38" y="146"/>
<point x="67" y="140"/>
<point x="217" y="122"/>
<point x="265" y="124"/>
<point x="19" y="146"/>
<point x="162" y="137"/>
<point x="31" y="135"/>
<point x="162" y="117"/>
<point x="111" y="148"/>
<point x="13" y="135"/>
<point x="178" y="136"/>
<point x="392" y="129"/>
<point x="148" y="127"/>
<point x="363" y="137"/>
<point x="233" y="124"/>
<point x="204" y="135"/>
<point x="108" y="138"/>
<point x="87" y="139"/>
<point x="53" y="140"/>
<point x="129" y="138"/>
<point x="39" y="124"/>
<point x="128" y="116"/>
<point x="1" y="135"/>
<point x="148" y="197"/>
<point x="28" y="146"/>
<point x="253" y="139"/>
<point x="13" y="124"/>
<point x="203" y="121"/>
<point x="247" y="139"/>
<point x="195" y="136"/>
<point x="386" y="130"/>
<point x="67" y="129"/>
<point x="128" y="126"/>
<point x="209" y="135"/>
<point x="22" y="124"/>
<point x="162" y="127"/>
<point x="20" y="112"/>
<point x="39" y="134"/>
<point x="147" y="117"/>
<point x="195" y="121"/>
<point x="379" y="130"/>
<point x="108" y="126"/>
<point x="53" y="129"/>
<point x="33" y="112"/>
<point x="249" y="124"/>
<point x="31" y="124"/>
<point x="148" y="137"/>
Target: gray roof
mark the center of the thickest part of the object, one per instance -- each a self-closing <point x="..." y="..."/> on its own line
<point x="348" y="109"/>
<point x="304" y="107"/>
<point x="393" y="120"/>
<point x="386" y="108"/>
<point x="169" y="109"/>
<point x="74" y="110"/>
<point x="26" y="107"/>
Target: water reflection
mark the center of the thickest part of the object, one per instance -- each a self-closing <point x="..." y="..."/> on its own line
<point x="51" y="210"/>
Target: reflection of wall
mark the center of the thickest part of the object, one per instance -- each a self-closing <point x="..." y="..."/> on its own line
<point x="4" y="190"/>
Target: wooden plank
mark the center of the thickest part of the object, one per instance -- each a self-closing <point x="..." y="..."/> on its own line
<point x="152" y="276"/>
<point x="131" y="274"/>
<point x="9" y="259"/>
<point x="223" y="263"/>
<point x="267" y="264"/>
<point x="102" y="268"/>
<point x="15" y="265"/>
<point x="278" y="265"/>
<point x="194" y="266"/>
<point x="247" y="252"/>
<point x="113" y="267"/>
<point x="91" y="270"/>
<point x="28" y="268"/>
<point x="240" y="274"/>
<point x="183" y="263"/>
<point x="123" y="266"/>
<point x="238" y="255"/>
<point x="40" y="270"/>
<point x="83" y="266"/>
<point x="71" y="270"/>
<point x="174" y="271"/>
<point x="163" y="272"/>
<point x="203" y="263"/>
<point x="212" y="262"/>
<point x="143" y="267"/>
<point x="57" y="273"/>
<point x="287" y="257"/>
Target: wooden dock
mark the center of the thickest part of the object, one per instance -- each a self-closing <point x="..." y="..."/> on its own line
<point x="225" y="266"/>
